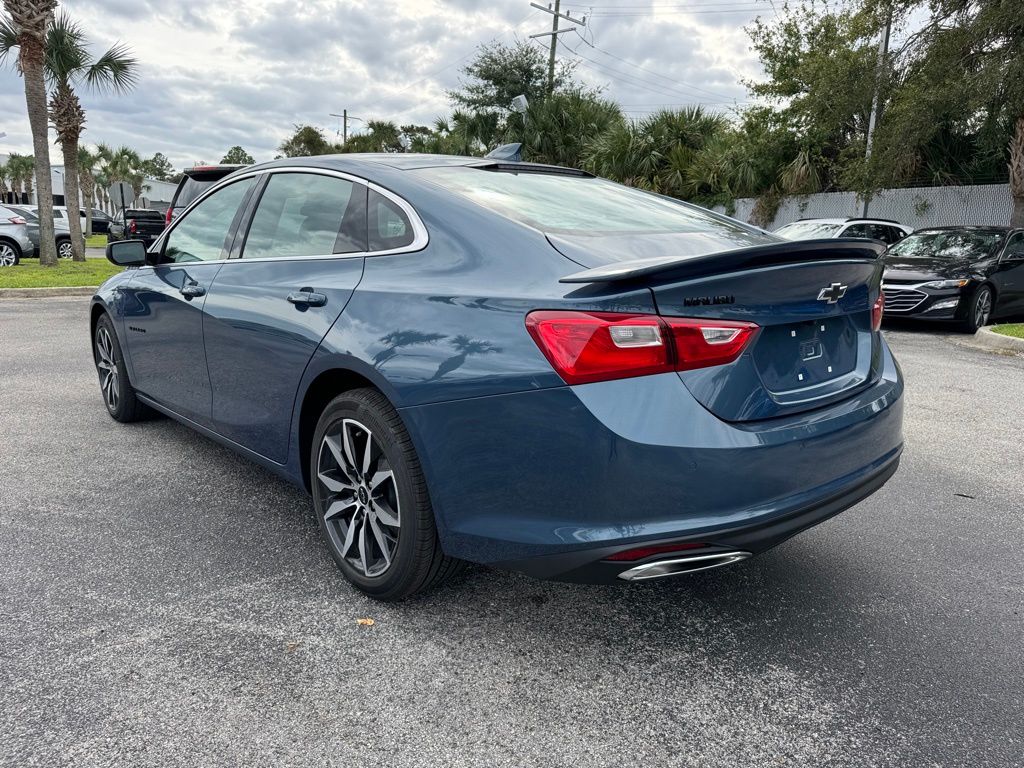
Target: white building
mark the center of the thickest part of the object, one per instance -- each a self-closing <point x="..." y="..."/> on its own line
<point x="155" y="194"/>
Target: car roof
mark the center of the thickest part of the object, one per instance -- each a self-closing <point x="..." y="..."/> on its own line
<point x="966" y="228"/>
<point x="409" y="161"/>
<point x="850" y="220"/>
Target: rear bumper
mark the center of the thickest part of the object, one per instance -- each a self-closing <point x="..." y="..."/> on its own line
<point x="550" y="482"/>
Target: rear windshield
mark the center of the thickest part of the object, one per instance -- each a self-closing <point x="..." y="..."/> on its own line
<point x="574" y="205"/>
<point x="24" y="213"/>
<point x="191" y="189"/>
<point x="807" y="230"/>
<point x="144" y="214"/>
<point x="947" y="245"/>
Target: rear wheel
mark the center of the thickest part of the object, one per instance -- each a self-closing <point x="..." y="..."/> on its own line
<point x="371" y="499"/>
<point x="118" y="393"/>
<point x="64" y="249"/>
<point x="10" y="254"/>
<point x="979" y="312"/>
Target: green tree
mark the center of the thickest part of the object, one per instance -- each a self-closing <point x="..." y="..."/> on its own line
<point x="25" y="29"/>
<point x="498" y="73"/>
<point x="380" y="136"/>
<point x="307" y="141"/>
<point x="69" y="67"/>
<point x="88" y="162"/>
<point x="559" y="128"/>
<point x="21" y="169"/>
<point x="121" y="164"/>
<point x="158" y="167"/>
<point x="237" y="156"/>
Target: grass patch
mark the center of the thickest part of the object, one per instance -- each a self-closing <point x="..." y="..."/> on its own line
<point x="96" y="241"/>
<point x="66" y="274"/>
<point x="1010" y="329"/>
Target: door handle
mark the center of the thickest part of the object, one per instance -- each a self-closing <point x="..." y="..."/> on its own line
<point x="307" y="298"/>
<point x="192" y="290"/>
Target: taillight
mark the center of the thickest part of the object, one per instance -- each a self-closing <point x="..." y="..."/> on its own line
<point x="132" y="227"/>
<point x="639" y="553"/>
<point x="600" y="346"/>
<point x="16" y="220"/>
<point x="877" y="311"/>
<point x="170" y="214"/>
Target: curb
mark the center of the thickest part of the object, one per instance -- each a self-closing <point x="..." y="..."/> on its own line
<point x="989" y="339"/>
<point x="46" y="293"/>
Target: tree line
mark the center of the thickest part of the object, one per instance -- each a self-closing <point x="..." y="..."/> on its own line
<point x="948" y="101"/>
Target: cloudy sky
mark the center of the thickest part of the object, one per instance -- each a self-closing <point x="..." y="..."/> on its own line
<point x="215" y="73"/>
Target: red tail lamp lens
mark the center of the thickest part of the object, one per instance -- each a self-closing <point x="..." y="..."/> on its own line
<point x="877" y="312"/>
<point x="659" y="549"/>
<point x="585" y="347"/>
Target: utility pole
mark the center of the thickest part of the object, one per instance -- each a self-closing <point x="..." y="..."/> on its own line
<point x="344" y="124"/>
<point x="876" y="102"/>
<point x="555" y="32"/>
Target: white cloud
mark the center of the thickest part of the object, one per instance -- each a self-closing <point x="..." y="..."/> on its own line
<point x="215" y="73"/>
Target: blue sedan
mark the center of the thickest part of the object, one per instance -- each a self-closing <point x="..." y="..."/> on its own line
<point x="471" y="359"/>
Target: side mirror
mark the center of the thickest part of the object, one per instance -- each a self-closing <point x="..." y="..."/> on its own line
<point x="127" y="253"/>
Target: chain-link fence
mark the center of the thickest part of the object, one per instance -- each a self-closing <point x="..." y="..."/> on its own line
<point x="917" y="207"/>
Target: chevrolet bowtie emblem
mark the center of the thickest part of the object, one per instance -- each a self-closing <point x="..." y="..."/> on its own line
<point x="833" y="293"/>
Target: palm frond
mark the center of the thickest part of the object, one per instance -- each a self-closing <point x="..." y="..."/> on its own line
<point x="115" y="71"/>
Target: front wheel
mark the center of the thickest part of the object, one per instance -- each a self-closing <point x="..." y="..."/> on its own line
<point x="64" y="249"/>
<point x="118" y="393"/>
<point x="979" y="312"/>
<point x="371" y="499"/>
<point x="9" y="255"/>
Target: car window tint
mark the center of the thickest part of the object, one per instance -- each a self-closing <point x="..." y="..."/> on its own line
<point x="200" y="235"/>
<point x="856" y="230"/>
<point x="191" y="189"/>
<point x="306" y="214"/>
<point x="1015" y="245"/>
<point x="389" y="227"/>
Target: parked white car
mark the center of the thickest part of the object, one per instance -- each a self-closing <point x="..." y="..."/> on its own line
<point x="816" y="229"/>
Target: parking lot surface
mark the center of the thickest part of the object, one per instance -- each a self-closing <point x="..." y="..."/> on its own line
<point x="164" y="602"/>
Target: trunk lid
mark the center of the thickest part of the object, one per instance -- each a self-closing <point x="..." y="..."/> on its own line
<point x="811" y="299"/>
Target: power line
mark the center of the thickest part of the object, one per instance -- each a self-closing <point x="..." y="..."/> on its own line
<point x="556" y="14"/>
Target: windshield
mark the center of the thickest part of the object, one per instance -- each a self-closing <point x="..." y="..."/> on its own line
<point x="953" y="245"/>
<point x="807" y="230"/>
<point x="574" y="205"/>
<point x="24" y="213"/>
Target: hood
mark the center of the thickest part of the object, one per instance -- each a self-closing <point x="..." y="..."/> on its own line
<point x="928" y="268"/>
<point x="601" y="250"/>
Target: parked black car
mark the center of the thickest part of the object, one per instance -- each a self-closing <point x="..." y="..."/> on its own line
<point x="136" y="224"/>
<point x="967" y="275"/>
<point x="194" y="182"/>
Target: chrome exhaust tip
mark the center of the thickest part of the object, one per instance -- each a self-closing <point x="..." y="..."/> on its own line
<point x="686" y="564"/>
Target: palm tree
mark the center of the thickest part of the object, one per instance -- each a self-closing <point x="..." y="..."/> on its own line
<point x="4" y="176"/>
<point x="20" y="169"/>
<point x="26" y="31"/>
<point x="87" y="163"/>
<point x="69" y="65"/>
<point x="121" y="164"/>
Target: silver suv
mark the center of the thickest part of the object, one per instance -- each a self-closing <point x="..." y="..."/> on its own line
<point x="61" y="231"/>
<point x="14" y="239"/>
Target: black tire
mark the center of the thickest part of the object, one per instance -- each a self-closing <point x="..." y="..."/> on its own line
<point x="359" y="512"/>
<point x="10" y="254"/>
<point x="64" y="248"/>
<point x="979" y="310"/>
<point x="117" y="392"/>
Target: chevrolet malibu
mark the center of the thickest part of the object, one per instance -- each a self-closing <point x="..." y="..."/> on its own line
<point x="468" y="359"/>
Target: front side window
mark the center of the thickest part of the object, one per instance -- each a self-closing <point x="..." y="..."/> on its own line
<point x="306" y="214"/>
<point x="201" y="234"/>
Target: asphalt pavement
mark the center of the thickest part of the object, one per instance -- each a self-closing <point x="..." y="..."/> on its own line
<point x="164" y="602"/>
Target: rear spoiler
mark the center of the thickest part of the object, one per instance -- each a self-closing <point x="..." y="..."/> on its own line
<point x="753" y="257"/>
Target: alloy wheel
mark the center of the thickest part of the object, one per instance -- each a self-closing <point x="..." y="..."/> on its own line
<point x="360" y="497"/>
<point x="64" y="250"/>
<point x="106" y="366"/>
<point x="983" y="308"/>
<point x="7" y="255"/>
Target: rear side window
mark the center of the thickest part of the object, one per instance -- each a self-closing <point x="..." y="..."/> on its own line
<point x="389" y="226"/>
<point x="306" y="214"/>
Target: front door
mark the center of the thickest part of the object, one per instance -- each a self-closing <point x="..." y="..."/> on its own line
<point x="1009" y="277"/>
<point x="164" y="303"/>
<point x="269" y="309"/>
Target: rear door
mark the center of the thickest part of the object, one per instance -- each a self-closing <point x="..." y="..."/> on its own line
<point x="163" y="304"/>
<point x="1009" y="276"/>
<point x="291" y="276"/>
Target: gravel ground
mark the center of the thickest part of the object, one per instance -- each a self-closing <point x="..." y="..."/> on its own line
<point x="164" y="602"/>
